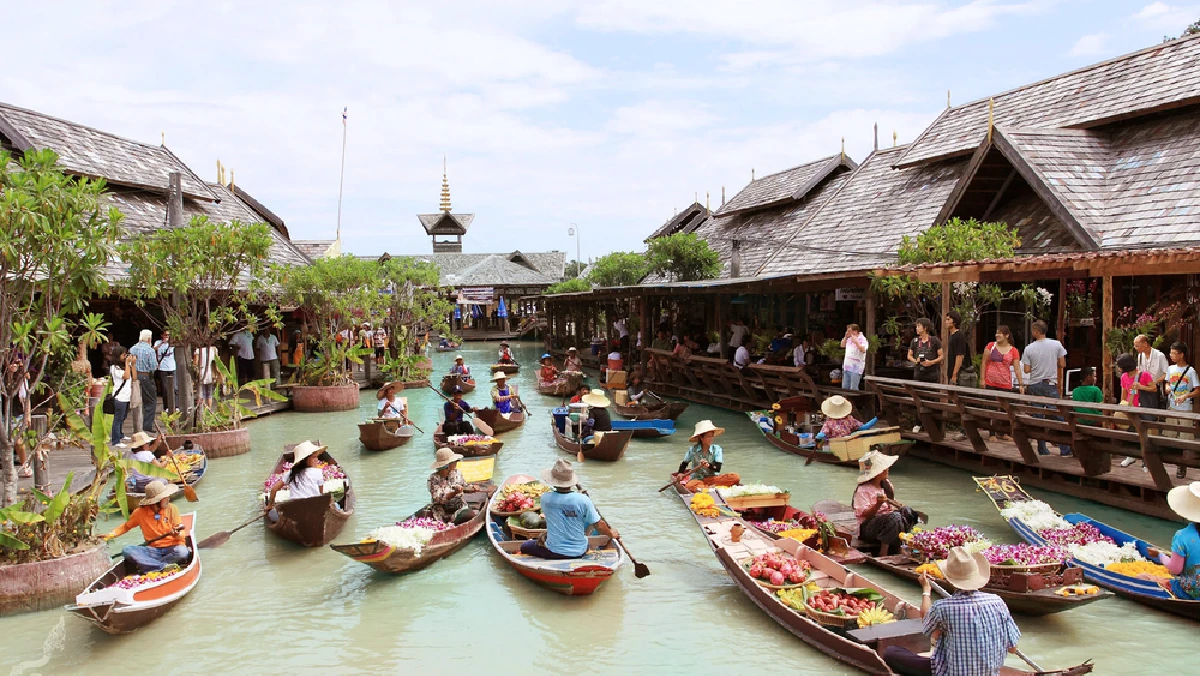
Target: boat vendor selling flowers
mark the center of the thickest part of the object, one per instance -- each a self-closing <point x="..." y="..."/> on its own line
<point x="446" y="488"/>
<point x="880" y="518"/>
<point x="305" y="477"/>
<point x="702" y="462"/>
<point x="573" y="362"/>
<point x="569" y="516"/>
<point x="453" y="410"/>
<point x="971" y="631"/>
<point x="503" y="394"/>
<point x="1183" y="561"/>
<point x="162" y="529"/>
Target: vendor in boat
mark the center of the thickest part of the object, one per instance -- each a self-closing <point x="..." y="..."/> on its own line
<point x="504" y="395"/>
<point x="305" y="477"/>
<point x="460" y="369"/>
<point x="971" y="631"/>
<point x="446" y="489"/>
<point x="573" y="362"/>
<point x="391" y="404"/>
<point x="582" y="392"/>
<point x="702" y="463"/>
<point x="598" y="418"/>
<point x="143" y="449"/>
<point x="635" y="390"/>
<point x="453" y="410"/>
<point x="549" y="372"/>
<point x="838" y="419"/>
<point x="569" y="517"/>
<point x="1183" y="561"/>
<point x="445" y="342"/>
<point x="880" y="518"/>
<point x="505" y="356"/>
<point x="162" y="529"/>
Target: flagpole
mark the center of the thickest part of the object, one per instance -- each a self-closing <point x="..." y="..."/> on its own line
<point x="341" y="178"/>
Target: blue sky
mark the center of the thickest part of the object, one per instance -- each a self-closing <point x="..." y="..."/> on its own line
<point x="611" y="114"/>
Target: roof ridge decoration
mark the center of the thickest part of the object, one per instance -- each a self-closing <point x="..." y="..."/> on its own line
<point x="777" y="188"/>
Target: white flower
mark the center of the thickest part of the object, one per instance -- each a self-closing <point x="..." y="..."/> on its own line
<point x="403" y="538"/>
<point x="1045" y="295"/>
<point x="751" y="489"/>
<point x="964" y="288"/>
<point x="1104" y="553"/>
<point x="1036" y="514"/>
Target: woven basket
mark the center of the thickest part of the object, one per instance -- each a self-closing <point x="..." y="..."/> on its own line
<point x="518" y="531"/>
<point x="829" y="619"/>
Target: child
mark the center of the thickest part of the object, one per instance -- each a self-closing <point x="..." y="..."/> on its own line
<point x="1183" y="385"/>
<point x="1089" y="393"/>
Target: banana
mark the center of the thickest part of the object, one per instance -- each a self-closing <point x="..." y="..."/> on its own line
<point x="875" y="615"/>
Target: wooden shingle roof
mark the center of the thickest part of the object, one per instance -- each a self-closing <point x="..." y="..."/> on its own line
<point x="446" y="224"/>
<point x="685" y="221"/>
<point x="786" y="186"/>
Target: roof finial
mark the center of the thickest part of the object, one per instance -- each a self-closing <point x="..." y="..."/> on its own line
<point x="706" y="198"/>
<point x="164" y="137"/>
<point x="722" y="195"/>
<point x="991" y="118"/>
<point x="947" y="98"/>
<point x="218" y="171"/>
<point x="895" y="138"/>
<point x="876" y="136"/>
<point x="751" y="174"/>
<point x="843" y="148"/>
<point x="445" y="205"/>
<point x="232" y="173"/>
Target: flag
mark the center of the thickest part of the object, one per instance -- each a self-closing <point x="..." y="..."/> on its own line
<point x="502" y="311"/>
<point x="344" y="111"/>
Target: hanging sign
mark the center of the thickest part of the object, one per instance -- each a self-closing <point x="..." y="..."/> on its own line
<point x="477" y="294"/>
<point x="854" y="294"/>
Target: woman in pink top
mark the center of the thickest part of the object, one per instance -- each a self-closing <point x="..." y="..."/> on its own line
<point x="880" y="518"/>
<point x="1127" y="364"/>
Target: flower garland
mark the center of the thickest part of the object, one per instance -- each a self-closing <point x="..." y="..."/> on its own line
<point x="1035" y="514"/>
<point x="1023" y="555"/>
<point x="135" y="581"/>
<point x="935" y="544"/>
<point x="424" y="522"/>
<point x="1079" y="534"/>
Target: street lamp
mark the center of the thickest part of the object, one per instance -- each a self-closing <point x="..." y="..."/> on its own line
<point x="573" y="231"/>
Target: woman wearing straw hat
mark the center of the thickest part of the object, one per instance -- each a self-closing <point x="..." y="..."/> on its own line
<point x="598" y="418"/>
<point x="162" y="529"/>
<point x="1183" y="561"/>
<point x="460" y="369"/>
<point x="446" y="488"/>
<point x="838" y="421"/>
<point x="503" y="394"/>
<point x="702" y="462"/>
<point x="305" y="477"/>
<point x="971" y="631"/>
<point x="569" y="516"/>
<point x="391" y="404"/>
<point x="573" y="362"/>
<point x="880" y="518"/>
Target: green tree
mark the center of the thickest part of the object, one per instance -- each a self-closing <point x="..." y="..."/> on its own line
<point x="208" y="280"/>
<point x="569" y="286"/>
<point x="56" y="236"/>
<point x="959" y="240"/>
<point x="620" y="268"/>
<point x="685" y="257"/>
<point x="573" y="269"/>
<point x="416" y="305"/>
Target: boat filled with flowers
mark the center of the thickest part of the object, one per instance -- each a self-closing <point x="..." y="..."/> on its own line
<point x="414" y="543"/>
<point x="315" y="521"/>
<point x="469" y="445"/>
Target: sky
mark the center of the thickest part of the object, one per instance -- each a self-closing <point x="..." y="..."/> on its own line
<point x="607" y="114"/>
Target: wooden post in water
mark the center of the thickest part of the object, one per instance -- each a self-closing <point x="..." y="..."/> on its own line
<point x="945" y="332"/>
<point x="644" y="327"/>
<point x="1106" y="319"/>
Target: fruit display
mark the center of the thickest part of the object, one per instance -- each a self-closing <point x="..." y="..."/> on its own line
<point x="520" y="497"/>
<point x="471" y="440"/>
<point x="516" y="502"/>
<point x="1136" y="568"/>
<point x="843" y="602"/>
<point x="533" y="489"/>
<point x="703" y="505"/>
<point x="778" y="569"/>
<point x="135" y="581"/>
<point x="533" y="520"/>
<point x="876" y="614"/>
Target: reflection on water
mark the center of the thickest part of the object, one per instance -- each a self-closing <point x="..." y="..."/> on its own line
<point x="268" y="606"/>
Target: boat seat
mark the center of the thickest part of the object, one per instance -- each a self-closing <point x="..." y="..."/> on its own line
<point x="902" y="633"/>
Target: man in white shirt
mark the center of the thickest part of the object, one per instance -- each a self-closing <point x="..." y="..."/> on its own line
<point x="268" y="354"/>
<point x="622" y="333"/>
<point x="737" y="333"/>
<point x="799" y="359"/>
<point x="166" y="371"/>
<point x="243" y="344"/>
<point x="741" y="357"/>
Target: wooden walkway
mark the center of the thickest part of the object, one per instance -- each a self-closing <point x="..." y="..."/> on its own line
<point x="60" y="463"/>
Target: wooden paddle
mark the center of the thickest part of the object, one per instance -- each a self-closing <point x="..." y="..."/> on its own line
<point x="1016" y="651"/>
<point x="188" y="491"/>
<point x="483" y="427"/>
<point x="640" y="570"/>
<point x="217" y="539"/>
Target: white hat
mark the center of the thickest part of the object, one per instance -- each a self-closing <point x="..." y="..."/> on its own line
<point x="836" y="407"/>
<point x="157" y="490"/>
<point x="499" y="375"/>
<point x="966" y="571"/>
<point x="873" y="464"/>
<point x="571" y="349"/>
<point x="1185" y="501"/>
<point x="445" y="456"/>
<point x="596" y="399"/>
<point x="560" y="476"/>
<point x="458" y="357"/>
<point x="304" y="449"/>
<point x="140" y="439"/>
<point x="706" y="426"/>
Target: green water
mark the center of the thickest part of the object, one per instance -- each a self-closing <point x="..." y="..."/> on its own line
<point x="267" y="606"/>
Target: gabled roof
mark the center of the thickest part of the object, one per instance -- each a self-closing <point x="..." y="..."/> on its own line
<point x="518" y="268"/>
<point x="259" y="208"/>
<point x="316" y="248"/>
<point x="446" y="224"/>
<point x="685" y="221"/>
<point x="85" y="151"/>
<point x="1157" y="78"/>
<point x="786" y="186"/>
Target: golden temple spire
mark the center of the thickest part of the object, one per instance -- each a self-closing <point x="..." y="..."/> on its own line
<point x="445" y="205"/>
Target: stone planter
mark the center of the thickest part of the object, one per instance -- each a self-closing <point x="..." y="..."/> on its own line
<point x="324" y="398"/>
<point x="216" y="444"/>
<point x="51" y="584"/>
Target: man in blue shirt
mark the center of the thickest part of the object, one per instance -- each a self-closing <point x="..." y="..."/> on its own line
<point x="453" y="411"/>
<point x="569" y="516"/>
<point x="147" y="364"/>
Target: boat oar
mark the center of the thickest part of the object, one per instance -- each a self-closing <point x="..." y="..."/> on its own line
<point x="483" y="427"/>
<point x="188" y="492"/>
<point x="640" y="570"/>
<point x="218" y="539"/>
<point x="1016" y="651"/>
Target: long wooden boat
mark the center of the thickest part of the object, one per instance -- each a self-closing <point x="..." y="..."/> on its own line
<point x="646" y="429"/>
<point x="786" y="441"/>
<point x="388" y="559"/>
<point x="383" y="434"/>
<point x="134" y="495"/>
<point x="1003" y="490"/>
<point x="452" y="348"/>
<point x="121" y="611"/>
<point x="315" y="521"/>
<point x="453" y="380"/>
<point x="500" y="423"/>
<point x="570" y="577"/>
<point x="507" y="368"/>
<point x="610" y="449"/>
<point x="670" y="410"/>
<point x="566" y="384"/>
<point x="441" y="440"/>
<point x="861" y="648"/>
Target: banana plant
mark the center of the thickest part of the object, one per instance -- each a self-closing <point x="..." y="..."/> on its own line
<point x="232" y="408"/>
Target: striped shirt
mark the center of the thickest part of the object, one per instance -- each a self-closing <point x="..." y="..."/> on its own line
<point x="147" y="359"/>
<point x="977" y="631"/>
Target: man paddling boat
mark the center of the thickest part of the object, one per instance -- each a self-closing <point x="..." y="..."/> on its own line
<point x="503" y="394"/>
<point x="162" y="529"/>
<point x="453" y="410"/>
<point x="505" y="354"/>
<point x="573" y="362"/>
<point x="460" y="369"/>
<point x="569" y="517"/>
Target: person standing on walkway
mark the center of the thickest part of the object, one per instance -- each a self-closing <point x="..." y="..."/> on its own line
<point x="165" y="352"/>
<point x="147" y="364"/>
<point x="243" y="344"/>
<point x="268" y="354"/>
<point x="959" y="352"/>
<point x="1183" y="386"/>
<point x="1044" y="358"/>
<point x="925" y="353"/>
<point x="1153" y="362"/>
<point x="120" y="368"/>
<point x="855" y="361"/>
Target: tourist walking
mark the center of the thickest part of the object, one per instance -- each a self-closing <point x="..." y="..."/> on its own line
<point x="243" y="345"/>
<point x="268" y="354"/>
<point x="1042" y="362"/>
<point x="999" y="358"/>
<point x="165" y="352"/>
<point x="1183" y="385"/>
<point x="1152" y="361"/>
<point x="855" y="361"/>
<point x="958" y="352"/>
<point x="925" y="353"/>
<point x="147" y="364"/>
<point x="120" y="369"/>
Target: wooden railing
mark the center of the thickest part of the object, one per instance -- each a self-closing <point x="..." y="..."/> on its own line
<point x="1155" y="436"/>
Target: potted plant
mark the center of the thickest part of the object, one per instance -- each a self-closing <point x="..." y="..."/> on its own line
<point x="1081" y="304"/>
<point x="219" y="429"/>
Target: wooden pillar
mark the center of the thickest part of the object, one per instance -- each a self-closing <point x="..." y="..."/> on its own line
<point x="1106" y="319"/>
<point x="945" y="332"/>
<point x="644" y="320"/>
<point x="1061" y="321"/>
<point x="869" y="328"/>
<point x="718" y="311"/>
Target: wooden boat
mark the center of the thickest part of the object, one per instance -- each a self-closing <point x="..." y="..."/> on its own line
<point x="121" y="611"/>
<point x="133" y="496"/>
<point x="571" y="577"/>
<point x="670" y="410"/>
<point x="610" y="449"/>
<point x="388" y="559"/>
<point x="499" y="423"/>
<point x="646" y="429"/>
<point x="507" y="368"/>
<point x="315" y="521"/>
<point x="440" y="440"/>
<point x="453" y="380"/>
<point x="840" y="549"/>
<point x="1034" y="603"/>
<point x="861" y="648"/>
<point x="1003" y="490"/>
<point x="566" y="384"/>
<point x="786" y="441"/>
<point x="382" y="434"/>
<point x="450" y="348"/>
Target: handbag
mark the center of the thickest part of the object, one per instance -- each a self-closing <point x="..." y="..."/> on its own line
<point x="135" y="394"/>
<point x="109" y="407"/>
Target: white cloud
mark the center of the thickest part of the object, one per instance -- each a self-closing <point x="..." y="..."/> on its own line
<point x="1152" y="10"/>
<point x="1090" y="45"/>
<point x="1169" y="19"/>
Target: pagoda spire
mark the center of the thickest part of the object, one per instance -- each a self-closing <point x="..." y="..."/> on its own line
<point x="445" y="205"/>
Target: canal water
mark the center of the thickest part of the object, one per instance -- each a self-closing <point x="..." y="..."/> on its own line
<point x="268" y="606"/>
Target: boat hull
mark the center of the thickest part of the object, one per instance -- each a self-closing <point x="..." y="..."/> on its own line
<point x="384" y="435"/>
<point x="804" y="452"/>
<point x="668" y="411"/>
<point x="610" y="448"/>
<point x="311" y="522"/>
<point x="449" y="382"/>
<point x="387" y="559"/>
<point x="499" y="423"/>
<point x="509" y="369"/>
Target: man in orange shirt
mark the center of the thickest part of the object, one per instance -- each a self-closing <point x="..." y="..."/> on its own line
<point x="162" y="528"/>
